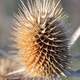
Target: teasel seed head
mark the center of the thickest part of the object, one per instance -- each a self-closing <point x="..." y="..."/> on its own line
<point x="6" y="66"/>
<point x="40" y="38"/>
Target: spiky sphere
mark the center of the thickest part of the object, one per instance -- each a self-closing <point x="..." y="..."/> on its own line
<point x="40" y="38"/>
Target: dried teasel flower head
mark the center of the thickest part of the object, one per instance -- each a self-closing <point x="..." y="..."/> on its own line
<point x="40" y="38"/>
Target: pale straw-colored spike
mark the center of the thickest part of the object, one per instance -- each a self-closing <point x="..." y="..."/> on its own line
<point x="74" y="37"/>
<point x="55" y="8"/>
<point x="17" y="71"/>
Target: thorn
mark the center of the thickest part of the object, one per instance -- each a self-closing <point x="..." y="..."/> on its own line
<point x="16" y="71"/>
<point x="74" y="37"/>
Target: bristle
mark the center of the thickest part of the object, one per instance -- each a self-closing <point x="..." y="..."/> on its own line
<point x="40" y="38"/>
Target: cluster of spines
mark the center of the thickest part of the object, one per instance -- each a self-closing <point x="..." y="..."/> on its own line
<point x="40" y="24"/>
<point x="54" y="46"/>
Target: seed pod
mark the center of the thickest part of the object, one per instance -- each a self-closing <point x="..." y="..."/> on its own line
<point x="40" y="38"/>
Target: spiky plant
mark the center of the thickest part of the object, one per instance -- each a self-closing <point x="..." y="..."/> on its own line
<point x="40" y="38"/>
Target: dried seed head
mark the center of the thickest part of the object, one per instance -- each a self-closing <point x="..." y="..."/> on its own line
<point x="40" y="38"/>
<point x="7" y="65"/>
